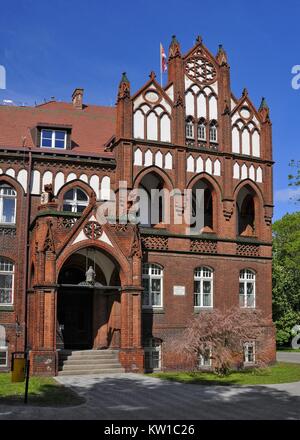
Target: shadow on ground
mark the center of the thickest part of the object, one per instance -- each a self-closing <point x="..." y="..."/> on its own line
<point x="137" y="397"/>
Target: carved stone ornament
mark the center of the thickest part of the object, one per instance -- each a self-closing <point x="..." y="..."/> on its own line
<point x="92" y="230"/>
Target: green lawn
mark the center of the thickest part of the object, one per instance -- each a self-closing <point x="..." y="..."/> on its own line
<point x="295" y="350"/>
<point x="281" y="372"/>
<point x="43" y="391"/>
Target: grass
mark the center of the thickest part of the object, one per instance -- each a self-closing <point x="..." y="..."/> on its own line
<point x="290" y="349"/>
<point x="43" y="391"/>
<point x="281" y="372"/>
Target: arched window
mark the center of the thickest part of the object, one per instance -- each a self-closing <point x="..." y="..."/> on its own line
<point x="213" y="135"/>
<point x="247" y="288"/>
<point x="189" y="128"/>
<point x="75" y="200"/>
<point x="203" y="287"/>
<point x="246" y="212"/>
<point x="202" y="206"/>
<point x="201" y="130"/>
<point x="7" y="270"/>
<point x="8" y="197"/>
<point x="153" y="209"/>
<point x="153" y="285"/>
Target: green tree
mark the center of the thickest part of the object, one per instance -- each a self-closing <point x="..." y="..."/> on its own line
<point x="294" y="178"/>
<point x="286" y="275"/>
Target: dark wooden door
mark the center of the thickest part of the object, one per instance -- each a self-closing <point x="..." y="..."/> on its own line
<point x="75" y="317"/>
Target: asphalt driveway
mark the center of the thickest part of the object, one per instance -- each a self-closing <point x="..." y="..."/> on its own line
<point x="137" y="397"/>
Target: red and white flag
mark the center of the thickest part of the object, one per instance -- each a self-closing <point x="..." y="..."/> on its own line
<point x="163" y="59"/>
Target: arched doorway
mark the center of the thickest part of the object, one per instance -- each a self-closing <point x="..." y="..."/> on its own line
<point x="88" y="301"/>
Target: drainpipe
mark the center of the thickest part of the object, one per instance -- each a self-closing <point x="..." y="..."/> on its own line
<point x="26" y="248"/>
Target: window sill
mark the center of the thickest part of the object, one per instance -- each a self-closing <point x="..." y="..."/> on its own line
<point x="8" y="308"/>
<point x="153" y="310"/>
<point x="200" y="309"/>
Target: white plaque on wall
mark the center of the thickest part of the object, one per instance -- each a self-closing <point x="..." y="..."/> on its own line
<point x="179" y="290"/>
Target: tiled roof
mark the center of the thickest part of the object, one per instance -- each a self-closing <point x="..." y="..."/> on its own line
<point x="92" y="126"/>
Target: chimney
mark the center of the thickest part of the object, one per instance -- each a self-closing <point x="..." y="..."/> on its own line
<point x="77" y="99"/>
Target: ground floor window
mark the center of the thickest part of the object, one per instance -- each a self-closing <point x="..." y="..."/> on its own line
<point x="249" y="353"/>
<point x="205" y="359"/>
<point x="152" y="354"/>
<point x="3" y="356"/>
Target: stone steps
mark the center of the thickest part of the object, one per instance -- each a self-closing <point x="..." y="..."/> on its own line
<point x="89" y="362"/>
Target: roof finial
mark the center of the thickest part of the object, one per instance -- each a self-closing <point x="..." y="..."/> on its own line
<point x="152" y="75"/>
<point x="245" y="92"/>
<point x="221" y="56"/>
<point x="199" y="39"/>
<point x="174" y="48"/>
<point x="124" y="87"/>
<point x="124" y="78"/>
<point x="264" y="110"/>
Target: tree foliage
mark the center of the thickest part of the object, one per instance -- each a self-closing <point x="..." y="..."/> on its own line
<point x="294" y="178"/>
<point x="223" y="333"/>
<point x="286" y="275"/>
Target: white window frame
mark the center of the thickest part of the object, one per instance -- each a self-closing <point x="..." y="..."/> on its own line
<point x="4" y="350"/>
<point x="213" y="133"/>
<point x="147" y="274"/>
<point x="74" y="203"/>
<point x="205" y="361"/>
<point x="53" y="138"/>
<point x="189" y="126"/>
<point x="247" y="276"/>
<point x="200" y="276"/>
<point x="4" y="186"/>
<point x="246" y="347"/>
<point x="152" y="346"/>
<point x="8" y="272"/>
<point x="202" y="128"/>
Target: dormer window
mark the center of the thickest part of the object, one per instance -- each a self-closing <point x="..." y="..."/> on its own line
<point x="53" y="139"/>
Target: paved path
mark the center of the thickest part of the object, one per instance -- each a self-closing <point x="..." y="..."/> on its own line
<point x="287" y="356"/>
<point x="137" y="397"/>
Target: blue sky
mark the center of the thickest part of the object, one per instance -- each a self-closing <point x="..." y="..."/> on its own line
<point x="50" y="47"/>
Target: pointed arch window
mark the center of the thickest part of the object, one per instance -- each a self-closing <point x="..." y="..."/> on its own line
<point x="189" y="128"/>
<point x="201" y="130"/>
<point x="75" y="200"/>
<point x="8" y="197"/>
<point x="213" y="132"/>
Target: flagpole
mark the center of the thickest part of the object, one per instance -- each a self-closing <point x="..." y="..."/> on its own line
<point x="160" y="62"/>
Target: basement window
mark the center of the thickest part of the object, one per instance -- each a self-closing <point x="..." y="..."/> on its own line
<point x="53" y="139"/>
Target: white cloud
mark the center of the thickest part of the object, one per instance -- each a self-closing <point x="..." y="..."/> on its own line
<point x="287" y="194"/>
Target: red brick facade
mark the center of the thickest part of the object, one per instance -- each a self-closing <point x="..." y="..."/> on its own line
<point x="108" y="145"/>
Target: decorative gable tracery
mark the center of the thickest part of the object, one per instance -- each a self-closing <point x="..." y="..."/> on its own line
<point x="245" y="131"/>
<point x="152" y="115"/>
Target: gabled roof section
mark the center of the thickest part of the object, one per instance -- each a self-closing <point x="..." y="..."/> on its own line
<point x="91" y="127"/>
<point x="245" y="100"/>
<point x="152" y="82"/>
<point x="199" y="46"/>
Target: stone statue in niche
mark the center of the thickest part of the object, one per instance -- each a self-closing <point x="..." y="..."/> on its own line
<point x="90" y="276"/>
<point x="47" y="195"/>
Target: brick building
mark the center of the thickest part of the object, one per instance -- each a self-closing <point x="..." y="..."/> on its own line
<point x="66" y="281"/>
